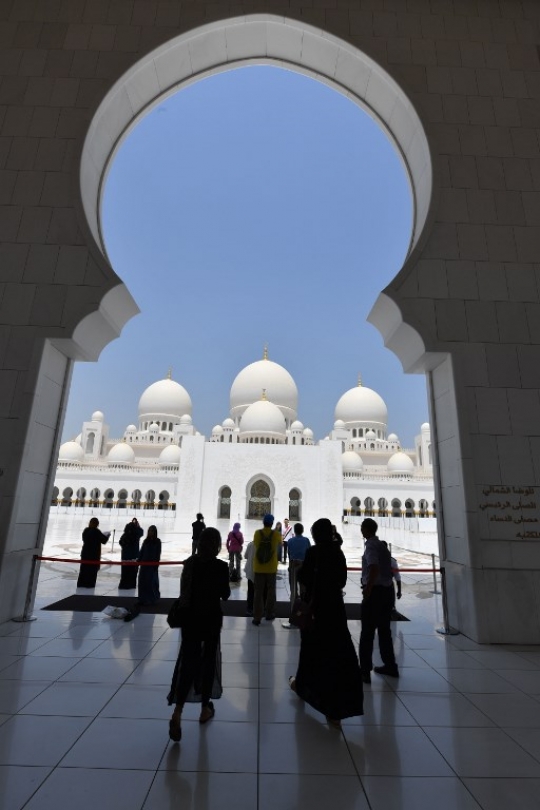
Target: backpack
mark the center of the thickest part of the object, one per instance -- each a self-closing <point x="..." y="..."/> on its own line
<point x="265" y="549"/>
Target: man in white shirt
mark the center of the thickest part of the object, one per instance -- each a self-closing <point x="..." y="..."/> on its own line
<point x="286" y="534"/>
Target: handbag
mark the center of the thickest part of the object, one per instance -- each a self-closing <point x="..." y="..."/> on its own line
<point x="302" y="614"/>
<point x="178" y="613"/>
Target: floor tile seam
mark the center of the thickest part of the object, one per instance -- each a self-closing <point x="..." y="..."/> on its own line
<point x="520" y="745"/>
<point x="435" y="746"/>
<point x="357" y="772"/>
<point x="38" y="788"/>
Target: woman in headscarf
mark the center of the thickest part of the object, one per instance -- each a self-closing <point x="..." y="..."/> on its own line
<point x="197" y="674"/>
<point x="328" y="675"/>
<point x="148" y="593"/>
<point x="92" y="539"/>
<point x="129" y="543"/>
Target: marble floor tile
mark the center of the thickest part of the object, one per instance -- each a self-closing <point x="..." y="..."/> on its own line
<point x="394" y="751"/>
<point x="481" y="681"/>
<point x="418" y="793"/>
<point x="38" y="668"/>
<point x="505" y="794"/>
<point x="18" y="783"/>
<point x="119" y="743"/>
<point x="217" y="746"/>
<point x="172" y="790"/>
<point x="71" y="699"/>
<point x="34" y="740"/>
<point x="92" y="788"/>
<point x="314" y="791"/>
<point x="16" y="694"/>
<point x="513" y="710"/>
<point x="123" y="648"/>
<point x="485" y="752"/>
<point x="100" y="670"/>
<point x="303" y="748"/>
<point x="527" y="681"/>
<point x="452" y="710"/>
<point x="67" y="647"/>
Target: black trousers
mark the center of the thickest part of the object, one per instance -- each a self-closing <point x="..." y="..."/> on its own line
<point x="376" y="615"/>
<point x="198" y="661"/>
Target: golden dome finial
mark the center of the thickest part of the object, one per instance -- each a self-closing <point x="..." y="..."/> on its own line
<point x="264" y="398"/>
<point x="359" y="381"/>
<point x="265" y="352"/>
<point x="169" y="374"/>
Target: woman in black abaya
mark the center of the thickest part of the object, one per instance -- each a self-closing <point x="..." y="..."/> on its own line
<point x="129" y="543"/>
<point x="328" y="675"/>
<point x="92" y="539"/>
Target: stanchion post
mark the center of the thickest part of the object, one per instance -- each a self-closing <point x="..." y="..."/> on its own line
<point x="27" y="613"/>
<point x="446" y="630"/>
<point x="435" y="590"/>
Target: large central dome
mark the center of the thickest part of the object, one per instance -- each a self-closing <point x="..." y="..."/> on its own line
<point x="266" y="375"/>
<point x="362" y="407"/>
<point x="165" y="399"/>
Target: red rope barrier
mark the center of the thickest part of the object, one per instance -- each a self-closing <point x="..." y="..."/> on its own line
<point x="181" y="562"/>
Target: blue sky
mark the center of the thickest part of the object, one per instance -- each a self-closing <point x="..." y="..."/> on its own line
<point x="256" y="206"/>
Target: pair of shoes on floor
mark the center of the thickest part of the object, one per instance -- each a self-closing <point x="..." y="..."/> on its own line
<point x="256" y="622"/>
<point x="393" y="672"/>
<point x="175" y="730"/>
<point x="207" y="712"/>
<point x="366" y="676"/>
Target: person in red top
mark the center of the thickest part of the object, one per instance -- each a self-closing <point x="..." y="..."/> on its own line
<point x="235" y="544"/>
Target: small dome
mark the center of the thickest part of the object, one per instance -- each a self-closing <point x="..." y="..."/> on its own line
<point x="228" y="423"/>
<point x="121" y="454"/>
<point x="263" y="417"/>
<point x="71" y="451"/>
<point x="371" y="435"/>
<point x="425" y="428"/>
<point x="400" y="464"/>
<point x="339" y="424"/>
<point x="131" y="429"/>
<point x="169" y="455"/>
<point x="217" y="429"/>
<point x="297" y="425"/>
<point x="308" y="433"/>
<point x="352" y="463"/>
<point x="97" y="416"/>
<point x="186" y="419"/>
<point x="154" y="427"/>
<point x="393" y="438"/>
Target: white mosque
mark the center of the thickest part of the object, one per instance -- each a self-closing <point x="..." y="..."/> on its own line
<point x="260" y="459"/>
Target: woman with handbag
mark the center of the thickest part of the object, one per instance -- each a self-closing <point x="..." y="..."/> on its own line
<point x="328" y="675"/>
<point x="197" y="674"/>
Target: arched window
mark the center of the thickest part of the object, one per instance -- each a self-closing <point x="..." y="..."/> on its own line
<point x="423" y="507"/>
<point x="224" y="503"/>
<point x="67" y="494"/>
<point x="163" y="500"/>
<point x="420" y="455"/>
<point x="409" y="508"/>
<point x="434" y="507"/>
<point x="356" y="507"/>
<point x="122" y="499"/>
<point x="108" y="498"/>
<point x="383" y="507"/>
<point x="54" y="497"/>
<point x="136" y="496"/>
<point x="396" y="508"/>
<point x="354" y="433"/>
<point x="295" y="504"/>
<point x="369" y="506"/>
<point x="90" y="442"/>
<point x="81" y="495"/>
<point x="149" y="498"/>
<point x="260" y="503"/>
<point x="94" y="497"/>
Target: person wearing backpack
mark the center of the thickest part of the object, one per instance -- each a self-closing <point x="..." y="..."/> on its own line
<point x="266" y="542"/>
<point x="377" y="604"/>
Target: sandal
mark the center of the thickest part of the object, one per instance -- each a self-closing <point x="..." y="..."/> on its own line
<point x="207" y="712"/>
<point x="175" y="730"/>
<point x="292" y="682"/>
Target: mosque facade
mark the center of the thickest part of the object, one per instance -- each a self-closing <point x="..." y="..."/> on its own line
<point x="259" y="459"/>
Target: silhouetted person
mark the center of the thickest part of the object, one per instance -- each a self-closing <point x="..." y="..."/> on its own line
<point x="198" y="526"/>
<point x="92" y="539"/>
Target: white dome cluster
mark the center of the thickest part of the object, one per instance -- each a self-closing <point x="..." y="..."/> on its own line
<point x="164" y="400"/>
<point x="352" y="463"/>
<point x="263" y="418"/>
<point x="71" y="452"/>
<point x="264" y="375"/>
<point x="169" y="456"/>
<point x="400" y="465"/>
<point x="121" y="454"/>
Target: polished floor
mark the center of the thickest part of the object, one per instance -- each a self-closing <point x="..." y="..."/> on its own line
<point x="84" y="718"/>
